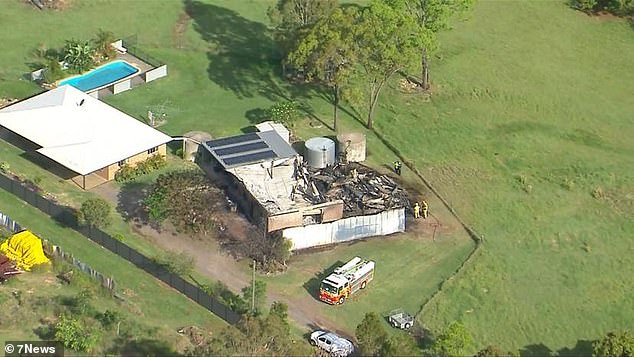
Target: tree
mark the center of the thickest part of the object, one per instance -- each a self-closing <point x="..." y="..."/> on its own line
<point x="371" y="334"/>
<point x="386" y="40"/>
<point x="74" y="335"/>
<point x="290" y="18"/>
<point x="400" y="345"/>
<point x="94" y="212"/>
<point x="453" y="341"/>
<point x="431" y="16"/>
<point x="103" y="44"/>
<point x="614" y="344"/>
<point x="187" y="198"/>
<point x="326" y="53"/>
<point x="260" y="295"/>
<point x="79" y="55"/>
<point x="617" y="7"/>
<point x="255" y="336"/>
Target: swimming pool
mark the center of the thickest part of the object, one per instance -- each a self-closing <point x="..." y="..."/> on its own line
<point x="101" y="76"/>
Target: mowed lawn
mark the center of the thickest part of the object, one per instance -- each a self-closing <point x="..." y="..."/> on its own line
<point x="408" y="271"/>
<point x="528" y="135"/>
<point x="154" y="303"/>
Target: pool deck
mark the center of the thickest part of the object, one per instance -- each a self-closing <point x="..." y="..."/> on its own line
<point x="144" y="67"/>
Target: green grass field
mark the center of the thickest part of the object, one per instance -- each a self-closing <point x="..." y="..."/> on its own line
<point x="408" y="271"/>
<point x="528" y="135"/>
<point x="155" y="303"/>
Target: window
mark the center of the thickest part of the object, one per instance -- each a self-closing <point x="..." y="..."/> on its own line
<point x="122" y="162"/>
<point x="152" y="150"/>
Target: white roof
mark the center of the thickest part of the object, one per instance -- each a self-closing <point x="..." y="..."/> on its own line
<point x="78" y="131"/>
<point x="280" y="129"/>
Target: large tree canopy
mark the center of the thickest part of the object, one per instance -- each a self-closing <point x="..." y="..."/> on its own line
<point x="386" y="40"/>
<point x="432" y="16"/>
<point x="291" y="17"/>
<point x="326" y="52"/>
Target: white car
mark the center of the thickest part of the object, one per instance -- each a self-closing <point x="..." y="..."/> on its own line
<point x="330" y="342"/>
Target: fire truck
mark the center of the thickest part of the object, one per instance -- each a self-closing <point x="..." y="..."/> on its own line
<point x="346" y="280"/>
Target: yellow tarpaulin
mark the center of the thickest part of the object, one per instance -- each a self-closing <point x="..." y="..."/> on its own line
<point x="25" y="249"/>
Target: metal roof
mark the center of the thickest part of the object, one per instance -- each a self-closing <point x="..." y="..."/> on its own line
<point x="251" y="148"/>
<point x="78" y="131"/>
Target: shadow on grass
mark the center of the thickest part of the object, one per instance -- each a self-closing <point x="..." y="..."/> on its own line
<point x="142" y="347"/>
<point x="583" y="348"/>
<point x="130" y="203"/>
<point x="312" y="285"/>
<point x="536" y="350"/>
<point x="244" y="59"/>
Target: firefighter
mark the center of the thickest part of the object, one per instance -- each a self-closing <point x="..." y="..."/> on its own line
<point x="397" y="167"/>
<point x="416" y="210"/>
<point x="425" y="209"/>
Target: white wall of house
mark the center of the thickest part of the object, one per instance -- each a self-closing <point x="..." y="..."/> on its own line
<point x="346" y="229"/>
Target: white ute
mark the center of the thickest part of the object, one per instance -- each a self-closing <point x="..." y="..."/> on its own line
<point x="330" y="342"/>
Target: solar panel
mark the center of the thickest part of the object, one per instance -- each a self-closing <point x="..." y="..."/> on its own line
<point x="258" y="145"/>
<point x="233" y="140"/>
<point x="237" y="160"/>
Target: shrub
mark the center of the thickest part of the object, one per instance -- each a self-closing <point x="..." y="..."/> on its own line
<point x="53" y="70"/>
<point x="74" y="335"/>
<point x="284" y="112"/>
<point x="79" y="55"/>
<point x="94" y="212"/>
<point x="103" y="49"/>
<point x="4" y="166"/>
<point x="128" y="173"/>
<point x="109" y="318"/>
<point x="187" y="198"/>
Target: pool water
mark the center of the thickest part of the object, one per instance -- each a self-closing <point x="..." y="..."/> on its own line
<point x="101" y="76"/>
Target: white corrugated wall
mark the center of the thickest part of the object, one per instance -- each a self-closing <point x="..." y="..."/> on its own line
<point x="346" y="229"/>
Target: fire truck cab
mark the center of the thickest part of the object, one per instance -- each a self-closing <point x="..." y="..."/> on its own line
<point x="346" y="281"/>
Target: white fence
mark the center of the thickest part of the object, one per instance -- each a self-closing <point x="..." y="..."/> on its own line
<point x="156" y="73"/>
<point x="346" y="229"/>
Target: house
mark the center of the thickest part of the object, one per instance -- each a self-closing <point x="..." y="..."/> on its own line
<point x="267" y="179"/>
<point x="79" y="137"/>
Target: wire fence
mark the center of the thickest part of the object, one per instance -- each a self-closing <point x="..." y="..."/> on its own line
<point x="130" y="44"/>
<point x="67" y="217"/>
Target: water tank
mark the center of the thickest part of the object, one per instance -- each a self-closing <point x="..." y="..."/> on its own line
<point x="190" y="147"/>
<point x="353" y="144"/>
<point x="320" y="152"/>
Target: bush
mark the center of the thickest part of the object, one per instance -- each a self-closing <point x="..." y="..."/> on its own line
<point x="128" y="173"/>
<point x="4" y="166"/>
<point x="187" y="198"/>
<point x="286" y="113"/>
<point x="74" y="335"/>
<point x="94" y="212"/>
<point x="108" y="318"/>
<point x="53" y="71"/>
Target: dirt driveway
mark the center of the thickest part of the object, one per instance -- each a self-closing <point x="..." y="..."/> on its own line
<point x="211" y="261"/>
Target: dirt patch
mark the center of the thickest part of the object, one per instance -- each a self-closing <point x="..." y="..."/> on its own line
<point x="50" y="4"/>
<point x="178" y="34"/>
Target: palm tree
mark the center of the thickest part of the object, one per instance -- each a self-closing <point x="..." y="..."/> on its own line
<point x="103" y="46"/>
